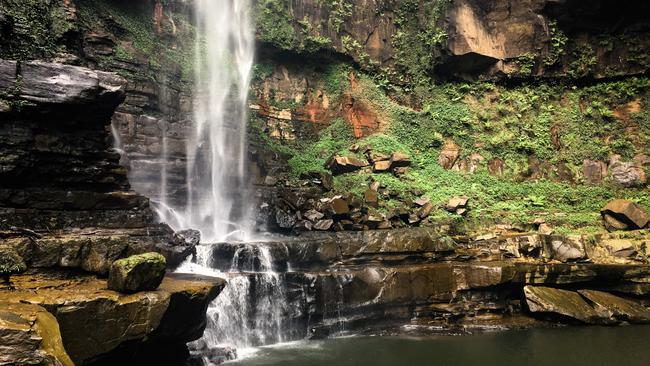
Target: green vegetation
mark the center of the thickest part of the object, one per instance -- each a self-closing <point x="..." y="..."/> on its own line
<point x="38" y="26"/>
<point x="417" y="41"/>
<point x="560" y="125"/>
<point x="275" y="19"/>
<point x="557" y="46"/>
<point x="138" y="39"/>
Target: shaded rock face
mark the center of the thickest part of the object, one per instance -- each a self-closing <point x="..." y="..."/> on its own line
<point x="59" y="173"/>
<point x="95" y="321"/>
<point x="588" y="306"/>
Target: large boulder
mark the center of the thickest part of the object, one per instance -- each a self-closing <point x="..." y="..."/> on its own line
<point x="561" y="302"/>
<point x="624" y="215"/>
<point x="626" y="173"/>
<point x="617" y="307"/>
<point x="142" y="272"/>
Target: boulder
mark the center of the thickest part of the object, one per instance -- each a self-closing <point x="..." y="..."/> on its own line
<point x="344" y="164"/>
<point x="564" y="249"/>
<point x="627" y="174"/>
<point x="625" y="213"/>
<point x="449" y="154"/>
<point x="567" y="303"/>
<point x="381" y="166"/>
<point x="142" y="272"/>
<point x="30" y="335"/>
<point x="617" y="307"/>
<point x="398" y="159"/>
<point x="323" y="225"/>
<point x="594" y="171"/>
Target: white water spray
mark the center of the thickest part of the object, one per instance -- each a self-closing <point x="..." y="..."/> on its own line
<point x="216" y="151"/>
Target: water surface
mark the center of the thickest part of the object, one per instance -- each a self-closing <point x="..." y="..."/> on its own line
<point x="574" y="346"/>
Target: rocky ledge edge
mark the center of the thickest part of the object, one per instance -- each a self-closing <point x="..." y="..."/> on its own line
<point x="60" y="318"/>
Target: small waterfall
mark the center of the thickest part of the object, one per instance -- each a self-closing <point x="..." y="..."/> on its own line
<point x="251" y="309"/>
<point x="216" y="181"/>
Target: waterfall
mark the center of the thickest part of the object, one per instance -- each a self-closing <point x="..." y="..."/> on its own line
<point x="252" y="307"/>
<point x="216" y="181"/>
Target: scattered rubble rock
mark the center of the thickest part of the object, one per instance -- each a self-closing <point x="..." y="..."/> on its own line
<point x="344" y="164"/>
<point x="622" y="214"/>
<point x="142" y="272"/>
<point x="323" y="225"/>
<point x="449" y="154"/>
<point x="457" y="205"/>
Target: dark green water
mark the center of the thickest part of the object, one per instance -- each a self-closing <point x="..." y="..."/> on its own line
<point x="576" y="346"/>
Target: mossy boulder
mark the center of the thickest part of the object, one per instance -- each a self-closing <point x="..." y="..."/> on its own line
<point x="142" y="272"/>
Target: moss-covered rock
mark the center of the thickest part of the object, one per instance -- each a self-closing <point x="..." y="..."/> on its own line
<point x="141" y="272"/>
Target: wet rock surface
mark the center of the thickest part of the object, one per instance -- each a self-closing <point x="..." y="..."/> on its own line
<point x="29" y="335"/>
<point x="344" y="282"/>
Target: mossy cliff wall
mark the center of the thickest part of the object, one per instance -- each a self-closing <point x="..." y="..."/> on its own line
<point x="529" y="108"/>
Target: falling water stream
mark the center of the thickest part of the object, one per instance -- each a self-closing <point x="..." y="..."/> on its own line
<point x="216" y="150"/>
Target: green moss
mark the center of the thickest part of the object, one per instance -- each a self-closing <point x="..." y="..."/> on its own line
<point x="274" y="23"/>
<point x="38" y="26"/>
<point x="417" y="41"/>
<point x="339" y="12"/>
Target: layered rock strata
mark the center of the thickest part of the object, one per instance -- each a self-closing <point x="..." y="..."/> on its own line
<point x="348" y="282"/>
<point x="95" y="321"/>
